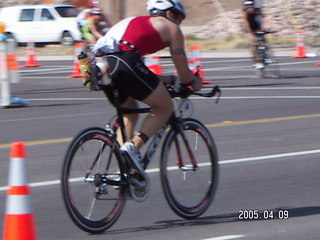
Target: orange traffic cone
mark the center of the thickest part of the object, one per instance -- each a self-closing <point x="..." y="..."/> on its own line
<point x="153" y="63"/>
<point x="19" y="222"/>
<point x="31" y="56"/>
<point x="195" y="62"/>
<point x="76" y="65"/>
<point x="300" y="48"/>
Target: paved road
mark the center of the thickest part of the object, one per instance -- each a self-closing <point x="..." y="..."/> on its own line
<point x="267" y="134"/>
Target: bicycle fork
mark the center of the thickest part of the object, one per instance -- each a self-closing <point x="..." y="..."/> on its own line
<point x="181" y="162"/>
<point x="193" y="166"/>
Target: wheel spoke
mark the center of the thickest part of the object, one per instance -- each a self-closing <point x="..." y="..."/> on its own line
<point x="189" y="170"/>
<point x="91" y="181"/>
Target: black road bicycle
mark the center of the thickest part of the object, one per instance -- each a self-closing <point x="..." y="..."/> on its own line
<point x="269" y="66"/>
<point x="97" y="180"/>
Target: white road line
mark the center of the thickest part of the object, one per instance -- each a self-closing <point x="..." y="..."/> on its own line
<point x="56" y="69"/>
<point x="248" y="66"/>
<point x="65" y="99"/>
<point x="194" y="98"/>
<point x="273" y="97"/>
<point x="51" y="77"/>
<point x="270" y="88"/>
<point x="267" y="157"/>
<point x="258" y="97"/>
<point x="45" y="70"/>
<point x="227" y="237"/>
<point x="223" y="162"/>
<point x="224" y="61"/>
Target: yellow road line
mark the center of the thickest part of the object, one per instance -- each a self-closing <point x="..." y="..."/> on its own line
<point x="213" y="125"/>
<point x="41" y="142"/>
<point x="264" y="120"/>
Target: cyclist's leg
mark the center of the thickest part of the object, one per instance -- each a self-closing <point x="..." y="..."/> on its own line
<point x="160" y="101"/>
<point x="134" y="79"/>
<point x="130" y="120"/>
<point x="253" y="45"/>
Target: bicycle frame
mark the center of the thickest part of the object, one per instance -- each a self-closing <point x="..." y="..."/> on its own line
<point x="261" y="47"/>
<point x="173" y="122"/>
<point x="262" y="43"/>
<point x="155" y="141"/>
<point x="153" y="146"/>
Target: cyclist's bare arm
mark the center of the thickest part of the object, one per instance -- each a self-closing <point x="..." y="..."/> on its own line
<point x="94" y="30"/>
<point x="173" y="38"/>
<point x="179" y="58"/>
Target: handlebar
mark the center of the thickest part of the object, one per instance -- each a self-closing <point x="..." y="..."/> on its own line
<point x="264" y="32"/>
<point x="186" y="91"/>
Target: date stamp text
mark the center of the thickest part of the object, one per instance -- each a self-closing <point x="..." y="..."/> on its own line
<point x="254" y="214"/>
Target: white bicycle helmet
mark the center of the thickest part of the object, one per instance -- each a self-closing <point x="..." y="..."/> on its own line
<point x="163" y="5"/>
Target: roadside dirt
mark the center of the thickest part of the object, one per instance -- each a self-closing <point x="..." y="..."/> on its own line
<point x="199" y="12"/>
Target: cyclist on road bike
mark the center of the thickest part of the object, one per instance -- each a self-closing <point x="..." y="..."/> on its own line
<point x="93" y="22"/>
<point x="125" y="44"/>
<point x="95" y="27"/>
<point x="253" y="23"/>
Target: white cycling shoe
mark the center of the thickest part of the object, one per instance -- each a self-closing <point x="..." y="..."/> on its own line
<point x="133" y="156"/>
<point x="138" y="178"/>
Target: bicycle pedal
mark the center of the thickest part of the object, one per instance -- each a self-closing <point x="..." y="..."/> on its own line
<point x="138" y="194"/>
<point x="139" y="189"/>
<point x="137" y="183"/>
<point x="103" y="189"/>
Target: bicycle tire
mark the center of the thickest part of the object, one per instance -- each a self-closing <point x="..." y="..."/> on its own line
<point x="183" y="196"/>
<point x="260" y="59"/>
<point x="272" y="69"/>
<point x="92" y="205"/>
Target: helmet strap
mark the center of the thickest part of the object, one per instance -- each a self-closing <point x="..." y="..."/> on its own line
<point x="164" y="13"/>
<point x="158" y="12"/>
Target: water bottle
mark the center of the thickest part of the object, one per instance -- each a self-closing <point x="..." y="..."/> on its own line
<point x="102" y="64"/>
<point x="84" y="67"/>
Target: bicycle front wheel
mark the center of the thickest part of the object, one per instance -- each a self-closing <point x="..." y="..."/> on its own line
<point x="93" y="185"/>
<point x="189" y="169"/>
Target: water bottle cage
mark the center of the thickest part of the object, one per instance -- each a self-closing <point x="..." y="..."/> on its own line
<point x="94" y="77"/>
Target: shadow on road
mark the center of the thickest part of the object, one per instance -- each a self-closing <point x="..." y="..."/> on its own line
<point x="224" y="218"/>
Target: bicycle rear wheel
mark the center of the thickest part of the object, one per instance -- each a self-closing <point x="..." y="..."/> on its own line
<point x="93" y="185"/>
<point x="189" y="187"/>
<point x="272" y="69"/>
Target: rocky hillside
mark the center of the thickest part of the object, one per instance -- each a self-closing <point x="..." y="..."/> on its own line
<point x="285" y="16"/>
<point x="199" y="11"/>
<point x="221" y="19"/>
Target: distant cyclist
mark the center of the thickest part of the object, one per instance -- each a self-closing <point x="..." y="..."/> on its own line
<point x="253" y="17"/>
<point x="93" y="23"/>
<point x="126" y="43"/>
<point x="95" y="27"/>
